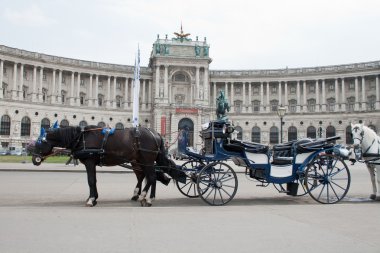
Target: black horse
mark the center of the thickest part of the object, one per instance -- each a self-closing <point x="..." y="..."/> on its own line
<point x="141" y="147"/>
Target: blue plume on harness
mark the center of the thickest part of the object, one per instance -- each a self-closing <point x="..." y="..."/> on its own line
<point x="109" y="130"/>
<point x="55" y="126"/>
<point x="42" y="135"/>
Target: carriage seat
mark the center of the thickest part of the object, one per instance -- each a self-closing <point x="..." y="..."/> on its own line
<point x="309" y="145"/>
<point x="250" y="147"/>
<point x="284" y="153"/>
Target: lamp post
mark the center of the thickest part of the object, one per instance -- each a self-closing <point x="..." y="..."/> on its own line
<point x="281" y="110"/>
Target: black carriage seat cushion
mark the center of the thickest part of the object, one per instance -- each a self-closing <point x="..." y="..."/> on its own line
<point x="240" y="146"/>
<point x="309" y="145"/>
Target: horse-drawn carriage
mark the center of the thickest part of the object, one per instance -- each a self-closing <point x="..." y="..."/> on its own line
<point x="317" y="167"/>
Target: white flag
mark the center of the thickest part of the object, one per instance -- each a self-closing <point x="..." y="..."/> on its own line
<point x="136" y="90"/>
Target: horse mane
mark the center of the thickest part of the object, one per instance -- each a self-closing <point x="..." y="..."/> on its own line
<point x="68" y="134"/>
<point x="370" y="131"/>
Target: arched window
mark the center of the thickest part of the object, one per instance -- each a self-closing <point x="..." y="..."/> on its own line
<point x="45" y="123"/>
<point x="292" y="133"/>
<point x="5" y="127"/>
<point x="255" y="137"/>
<point x="349" y="139"/>
<point x="311" y="132"/>
<point x="330" y="132"/>
<point x="83" y="123"/>
<point x="119" y="126"/>
<point x="25" y="126"/>
<point x="273" y="138"/>
<point x="239" y="131"/>
<point x="64" y="123"/>
<point x="101" y="124"/>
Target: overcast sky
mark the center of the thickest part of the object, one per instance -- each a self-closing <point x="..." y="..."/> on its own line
<point x="264" y="34"/>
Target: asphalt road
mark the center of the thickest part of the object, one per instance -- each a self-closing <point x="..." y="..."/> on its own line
<point x="42" y="210"/>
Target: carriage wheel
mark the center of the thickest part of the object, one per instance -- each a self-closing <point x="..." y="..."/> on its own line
<point x="302" y="191"/>
<point x="189" y="188"/>
<point x="327" y="179"/>
<point x="217" y="184"/>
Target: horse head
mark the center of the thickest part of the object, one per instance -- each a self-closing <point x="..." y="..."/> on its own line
<point x="44" y="144"/>
<point x="357" y="131"/>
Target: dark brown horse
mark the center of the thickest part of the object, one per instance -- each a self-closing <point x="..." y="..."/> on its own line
<point x="141" y="147"/>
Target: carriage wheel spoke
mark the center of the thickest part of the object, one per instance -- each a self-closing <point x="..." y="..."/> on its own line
<point x="319" y="196"/>
<point x="332" y="188"/>
<point x="338" y="185"/>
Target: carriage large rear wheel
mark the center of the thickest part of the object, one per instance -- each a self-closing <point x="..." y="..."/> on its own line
<point x="217" y="184"/>
<point x="327" y="179"/>
<point x="191" y="169"/>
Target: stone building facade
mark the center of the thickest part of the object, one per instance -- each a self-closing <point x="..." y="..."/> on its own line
<point x="179" y="90"/>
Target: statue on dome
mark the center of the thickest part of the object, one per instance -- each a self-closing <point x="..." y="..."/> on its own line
<point x="221" y="107"/>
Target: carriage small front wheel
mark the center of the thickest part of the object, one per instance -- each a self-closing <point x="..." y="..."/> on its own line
<point x="189" y="188"/>
<point x="217" y="184"/>
<point x="327" y="179"/>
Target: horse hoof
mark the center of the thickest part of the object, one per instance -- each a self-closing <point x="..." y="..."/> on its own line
<point x="148" y="204"/>
<point x="91" y="202"/>
<point x="143" y="202"/>
<point x="377" y="198"/>
<point x="135" y="198"/>
<point x="372" y="196"/>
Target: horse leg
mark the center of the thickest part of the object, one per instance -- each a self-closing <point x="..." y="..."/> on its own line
<point x="152" y="193"/>
<point x="376" y="174"/>
<point x="150" y="175"/>
<point x="91" y="179"/>
<point x="140" y="177"/>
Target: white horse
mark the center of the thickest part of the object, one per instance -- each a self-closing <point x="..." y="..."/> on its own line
<point x="366" y="139"/>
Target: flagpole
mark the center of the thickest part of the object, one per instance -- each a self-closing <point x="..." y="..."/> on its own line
<point x="136" y="90"/>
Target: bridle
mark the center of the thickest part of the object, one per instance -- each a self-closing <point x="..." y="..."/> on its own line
<point x="361" y="135"/>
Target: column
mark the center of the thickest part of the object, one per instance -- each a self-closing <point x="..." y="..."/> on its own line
<point x="250" y="97"/>
<point x="21" y="84"/>
<point x="34" y="92"/>
<point x="286" y="102"/>
<point x="143" y="93"/>
<point x="205" y="85"/>
<point x="356" y="94"/>
<point x="96" y="100"/>
<point x="304" y="96"/>
<point x="90" y="96"/>
<point x="78" y="90"/>
<point x="298" y="97"/>
<point x="215" y="95"/>
<point x="40" y="94"/>
<point x="1" y="77"/>
<point x="14" y="88"/>
<point x="114" y="92"/>
<point x="166" y="83"/>
<point x="157" y="84"/>
<point x="197" y="91"/>
<point x="364" y="100"/>
<point x="268" y="104"/>
<point x="244" y="102"/>
<point x="126" y="99"/>
<point x="317" y="102"/>
<point x="149" y="104"/>
<point x="72" y="81"/>
<point x="279" y="93"/>
<point x="336" y="95"/>
<point x="52" y="93"/>
<point x="323" y="95"/>
<point x="232" y="98"/>
<point x="226" y="89"/>
<point x="261" y="97"/>
<point x="343" y="101"/>
<point x="59" y="92"/>
<point x="108" y="102"/>
<point x="377" y="93"/>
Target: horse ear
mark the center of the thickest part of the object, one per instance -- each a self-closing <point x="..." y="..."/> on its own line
<point x="42" y="132"/>
<point x="55" y="126"/>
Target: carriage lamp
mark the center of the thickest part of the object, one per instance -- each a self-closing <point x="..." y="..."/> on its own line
<point x="281" y="110"/>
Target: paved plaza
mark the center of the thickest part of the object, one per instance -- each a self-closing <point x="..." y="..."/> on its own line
<point x="42" y="210"/>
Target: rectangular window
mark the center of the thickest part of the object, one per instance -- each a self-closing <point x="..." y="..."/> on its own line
<point x="44" y="77"/>
<point x="63" y="79"/>
<point x="293" y="90"/>
<point x="118" y="85"/>
<point x="312" y="89"/>
<point x="256" y="106"/>
<point x="274" y="90"/>
<point x="81" y="82"/>
<point x="331" y="87"/>
<point x="25" y="74"/>
<point x="100" y="84"/>
<point x="82" y="100"/>
<point x="351" y="86"/>
<point x="255" y="90"/>
<point x="238" y="91"/>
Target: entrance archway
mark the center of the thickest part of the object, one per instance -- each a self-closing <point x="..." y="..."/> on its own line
<point x="187" y="125"/>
